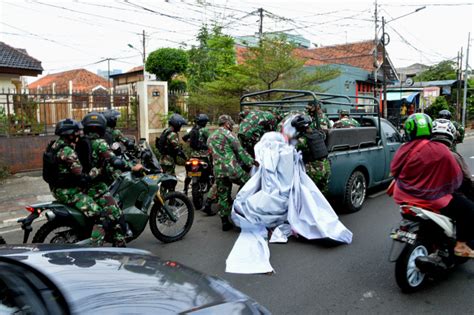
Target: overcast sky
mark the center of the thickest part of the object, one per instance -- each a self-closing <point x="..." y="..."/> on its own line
<point x="71" y="34"/>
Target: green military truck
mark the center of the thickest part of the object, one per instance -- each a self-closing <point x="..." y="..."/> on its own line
<point x="360" y="157"/>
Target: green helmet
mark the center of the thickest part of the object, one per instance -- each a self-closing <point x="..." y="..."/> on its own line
<point x="418" y="126"/>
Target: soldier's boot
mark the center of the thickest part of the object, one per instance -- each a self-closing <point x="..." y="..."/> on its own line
<point x="226" y="224"/>
<point x="207" y="209"/>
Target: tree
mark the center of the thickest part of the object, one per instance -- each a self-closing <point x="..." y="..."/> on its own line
<point x="212" y="58"/>
<point x="438" y="105"/>
<point x="272" y="64"/>
<point x="167" y="62"/>
<point x="445" y="70"/>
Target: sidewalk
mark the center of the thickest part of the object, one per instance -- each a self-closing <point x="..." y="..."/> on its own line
<point x="24" y="189"/>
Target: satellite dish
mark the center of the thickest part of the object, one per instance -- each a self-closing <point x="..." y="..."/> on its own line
<point x="409" y="82"/>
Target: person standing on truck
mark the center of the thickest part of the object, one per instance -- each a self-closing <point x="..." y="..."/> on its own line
<point x="345" y="121"/>
<point x="316" y="112"/>
<point x="314" y="150"/>
<point x="229" y="158"/>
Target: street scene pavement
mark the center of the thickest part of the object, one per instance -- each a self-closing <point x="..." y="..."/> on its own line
<point x="313" y="277"/>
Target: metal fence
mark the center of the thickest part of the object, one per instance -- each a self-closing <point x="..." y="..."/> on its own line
<point x="28" y="114"/>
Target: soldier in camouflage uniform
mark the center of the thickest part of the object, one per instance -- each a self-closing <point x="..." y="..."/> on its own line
<point x="170" y="148"/>
<point x="112" y="134"/>
<point x="345" y="121"/>
<point x="69" y="188"/>
<point x="108" y="165"/>
<point x="253" y="127"/>
<point x="459" y="136"/>
<point x="314" y="110"/>
<point x="318" y="168"/>
<point x="228" y="157"/>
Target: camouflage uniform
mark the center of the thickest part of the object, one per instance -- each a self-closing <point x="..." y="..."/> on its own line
<point x="203" y="135"/>
<point x="459" y="136"/>
<point x="168" y="161"/>
<point x="111" y="214"/>
<point x="346" y="122"/>
<point x="117" y="135"/>
<point x="227" y="154"/>
<point x="319" y="171"/>
<point x="253" y="126"/>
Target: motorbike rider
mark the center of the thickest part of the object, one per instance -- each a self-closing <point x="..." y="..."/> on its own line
<point x="169" y="146"/>
<point x="228" y="157"/>
<point x="426" y="175"/>
<point x="197" y="139"/>
<point x="444" y="132"/>
<point x="459" y="136"/>
<point x="314" y="150"/>
<point x="70" y="182"/>
<point x="98" y="155"/>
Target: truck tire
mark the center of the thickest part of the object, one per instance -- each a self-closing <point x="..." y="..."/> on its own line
<point x="355" y="193"/>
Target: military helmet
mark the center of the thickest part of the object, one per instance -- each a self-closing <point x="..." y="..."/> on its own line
<point x="111" y="115"/>
<point x="301" y="122"/>
<point x="177" y="121"/>
<point x="94" y="122"/>
<point x="202" y="120"/>
<point x="418" y="126"/>
<point x="225" y="118"/>
<point x="67" y="127"/>
<point x="344" y="112"/>
<point x="445" y="128"/>
<point x="445" y="114"/>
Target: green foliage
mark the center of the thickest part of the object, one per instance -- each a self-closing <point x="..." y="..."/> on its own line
<point x="4" y="171"/>
<point x="438" y="105"/>
<point x="167" y="62"/>
<point x="177" y="85"/>
<point x="445" y="70"/>
<point x="270" y="65"/>
<point x="212" y="58"/>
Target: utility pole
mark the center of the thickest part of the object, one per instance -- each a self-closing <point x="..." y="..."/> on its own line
<point x="108" y="73"/>
<point x="144" y="59"/>
<point x="260" y="29"/>
<point x="384" y="71"/>
<point x="458" y="94"/>
<point x="465" y="81"/>
<point x="376" y="41"/>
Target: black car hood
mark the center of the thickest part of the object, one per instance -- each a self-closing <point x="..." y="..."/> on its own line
<point x="124" y="281"/>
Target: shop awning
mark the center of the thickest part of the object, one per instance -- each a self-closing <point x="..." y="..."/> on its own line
<point x="398" y="96"/>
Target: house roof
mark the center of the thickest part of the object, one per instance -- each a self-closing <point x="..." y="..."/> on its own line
<point x="17" y="61"/>
<point x="134" y="70"/>
<point x="358" y="54"/>
<point x="82" y="80"/>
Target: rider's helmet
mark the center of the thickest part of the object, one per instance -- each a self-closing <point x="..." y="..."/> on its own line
<point x="202" y="120"/>
<point x="444" y="130"/>
<point x="67" y="127"/>
<point x="111" y="115"/>
<point x="94" y="122"/>
<point x="418" y="126"/>
<point x="177" y="121"/>
<point x="445" y="114"/>
<point x="301" y="122"/>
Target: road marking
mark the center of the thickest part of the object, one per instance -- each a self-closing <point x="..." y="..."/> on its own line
<point x="380" y="193"/>
<point x="11" y="231"/>
<point x="472" y="157"/>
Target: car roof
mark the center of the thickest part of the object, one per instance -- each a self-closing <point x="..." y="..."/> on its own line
<point x="122" y="280"/>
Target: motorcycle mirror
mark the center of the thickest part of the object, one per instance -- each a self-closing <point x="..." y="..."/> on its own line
<point x="115" y="146"/>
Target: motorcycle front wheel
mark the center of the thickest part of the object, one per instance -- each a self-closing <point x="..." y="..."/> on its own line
<point x="409" y="278"/>
<point x="172" y="221"/>
<point x="57" y="232"/>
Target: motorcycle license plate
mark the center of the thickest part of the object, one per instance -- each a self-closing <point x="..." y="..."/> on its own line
<point x="194" y="174"/>
<point x="403" y="236"/>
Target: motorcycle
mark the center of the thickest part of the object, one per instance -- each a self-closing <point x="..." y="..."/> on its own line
<point x="200" y="172"/>
<point x="170" y="217"/>
<point x="423" y="247"/>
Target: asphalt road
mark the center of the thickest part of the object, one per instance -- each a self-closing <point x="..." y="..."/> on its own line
<point x="312" y="278"/>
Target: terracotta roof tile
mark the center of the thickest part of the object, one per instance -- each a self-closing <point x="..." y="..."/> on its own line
<point x="82" y="80"/>
<point x="18" y="58"/>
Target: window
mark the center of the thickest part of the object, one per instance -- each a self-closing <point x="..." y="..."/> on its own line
<point x="390" y="133"/>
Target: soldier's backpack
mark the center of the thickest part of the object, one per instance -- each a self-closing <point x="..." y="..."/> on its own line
<point x="84" y="153"/>
<point x="50" y="164"/>
<point x="160" y="142"/>
<point x="317" y="147"/>
<point x="194" y="142"/>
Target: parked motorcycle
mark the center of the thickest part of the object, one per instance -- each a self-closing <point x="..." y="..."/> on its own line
<point x="200" y="172"/>
<point x="171" y="216"/>
<point x="423" y="247"/>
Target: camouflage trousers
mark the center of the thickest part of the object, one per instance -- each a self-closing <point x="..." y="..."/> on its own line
<point x="248" y="143"/>
<point x="224" y="192"/>
<point x="109" y="216"/>
<point x="169" y="167"/>
<point x="320" y="171"/>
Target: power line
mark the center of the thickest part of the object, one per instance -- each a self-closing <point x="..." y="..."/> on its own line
<point x="430" y="4"/>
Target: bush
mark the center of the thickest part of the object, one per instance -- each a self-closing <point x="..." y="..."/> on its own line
<point x="4" y="171"/>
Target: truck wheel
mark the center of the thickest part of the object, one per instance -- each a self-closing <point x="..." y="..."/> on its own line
<point x="356" y="191"/>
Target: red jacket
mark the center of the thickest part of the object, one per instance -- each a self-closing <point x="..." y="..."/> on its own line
<point x="426" y="174"/>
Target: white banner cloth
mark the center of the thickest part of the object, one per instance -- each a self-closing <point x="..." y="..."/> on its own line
<point x="278" y="194"/>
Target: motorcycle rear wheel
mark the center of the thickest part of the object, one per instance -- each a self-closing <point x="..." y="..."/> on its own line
<point x="57" y="232"/>
<point x="162" y="227"/>
<point x="198" y="190"/>
<point x="409" y="278"/>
